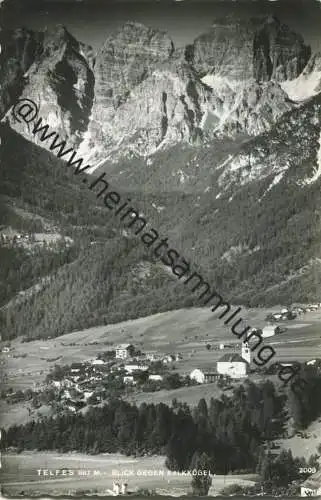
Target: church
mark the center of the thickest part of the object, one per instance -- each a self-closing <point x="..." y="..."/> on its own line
<point x="235" y="365"/>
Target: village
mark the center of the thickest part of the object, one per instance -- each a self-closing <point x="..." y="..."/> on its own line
<point x="87" y="369"/>
<point x="125" y="369"/>
<point x="37" y="237"/>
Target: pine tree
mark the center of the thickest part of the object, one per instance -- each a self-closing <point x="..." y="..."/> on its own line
<point x="202" y="480"/>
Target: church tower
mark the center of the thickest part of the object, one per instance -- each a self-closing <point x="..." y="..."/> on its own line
<point x="246" y="352"/>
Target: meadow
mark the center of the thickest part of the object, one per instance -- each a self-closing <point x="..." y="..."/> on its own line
<point x="19" y="473"/>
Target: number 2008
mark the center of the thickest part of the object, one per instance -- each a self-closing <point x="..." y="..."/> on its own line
<point x="304" y="470"/>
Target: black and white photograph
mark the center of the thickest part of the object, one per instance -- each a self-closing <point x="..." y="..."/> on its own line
<point x="160" y="248"/>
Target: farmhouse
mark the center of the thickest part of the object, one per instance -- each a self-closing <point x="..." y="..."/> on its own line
<point x="124" y="351"/>
<point x="312" y="486"/>
<point x="128" y="379"/>
<point x="156" y="378"/>
<point x="233" y="365"/>
<point x="169" y="358"/>
<point x="97" y="362"/>
<point x="204" y="377"/>
<point x="135" y="368"/>
<point x="270" y="330"/>
<point x="198" y="376"/>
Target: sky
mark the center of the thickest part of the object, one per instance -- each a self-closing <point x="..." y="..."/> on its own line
<point x="92" y="21"/>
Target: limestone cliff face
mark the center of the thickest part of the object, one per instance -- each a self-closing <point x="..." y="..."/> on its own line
<point x="145" y="100"/>
<point x="126" y="60"/>
<point x="260" y="49"/>
<point x="138" y="95"/>
<point x="61" y="83"/>
<point x="167" y="107"/>
<point x="236" y="107"/>
<point x="19" y="49"/>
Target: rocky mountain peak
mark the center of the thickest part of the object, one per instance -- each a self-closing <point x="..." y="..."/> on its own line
<point x="138" y="94"/>
<point x="60" y="80"/>
<point x="261" y="48"/>
<point x="20" y="47"/>
<point x="138" y="36"/>
<point x="126" y="58"/>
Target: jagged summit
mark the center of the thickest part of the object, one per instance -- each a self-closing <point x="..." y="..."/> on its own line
<point x="138" y="94"/>
<point x="139" y="35"/>
<point x="262" y="48"/>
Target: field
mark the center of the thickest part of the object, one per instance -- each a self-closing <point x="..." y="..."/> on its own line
<point x="186" y="331"/>
<point x="19" y="473"/>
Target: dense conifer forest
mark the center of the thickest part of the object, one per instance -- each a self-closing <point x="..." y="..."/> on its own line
<point x="239" y="244"/>
<point x="234" y="432"/>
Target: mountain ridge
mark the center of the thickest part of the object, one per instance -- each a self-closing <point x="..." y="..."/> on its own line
<point x="138" y="94"/>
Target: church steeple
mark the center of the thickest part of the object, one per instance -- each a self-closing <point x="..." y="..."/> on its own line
<point x="246" y="352"/>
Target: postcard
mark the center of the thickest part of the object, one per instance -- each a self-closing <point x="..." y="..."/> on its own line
<point x="160" y="263"/>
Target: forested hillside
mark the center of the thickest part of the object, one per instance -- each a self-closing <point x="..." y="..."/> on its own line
<point x="256" y="242"/>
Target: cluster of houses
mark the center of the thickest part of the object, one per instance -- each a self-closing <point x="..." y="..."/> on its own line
<point x="10" y="236"/>
<point x="291" y="313"/>
<point x="85" y="383"/>
<point x="126" y="351"/>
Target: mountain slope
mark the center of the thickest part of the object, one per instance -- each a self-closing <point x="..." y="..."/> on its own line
<point x="255" y="238"/>
<point x="228" y="167"/>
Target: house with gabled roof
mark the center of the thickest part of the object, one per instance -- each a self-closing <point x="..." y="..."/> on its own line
<point x="123" y="351"/>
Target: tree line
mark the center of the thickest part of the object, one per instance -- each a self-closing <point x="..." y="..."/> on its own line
<point x="229" y="430"/>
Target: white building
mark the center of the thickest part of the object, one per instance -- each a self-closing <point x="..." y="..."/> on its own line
<point x="152" y="357"/>
<point x="135" y="368"/>
<point x="88" y="394"/>
<point x="312" y="486"/>
<point x="204" y="377"/>
<point x="128" y="379"/>
<point x="123" y="351"/>
<point x="233" y="365"/>
<point x="270" y="330"/>
<point x="198" y="376"/>
<point x="97" y="362"/>
<point x="169" y="358"/>
<point x="156" y="378"/>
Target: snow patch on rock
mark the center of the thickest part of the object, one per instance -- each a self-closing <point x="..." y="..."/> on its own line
<point x="317" y="170"/>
